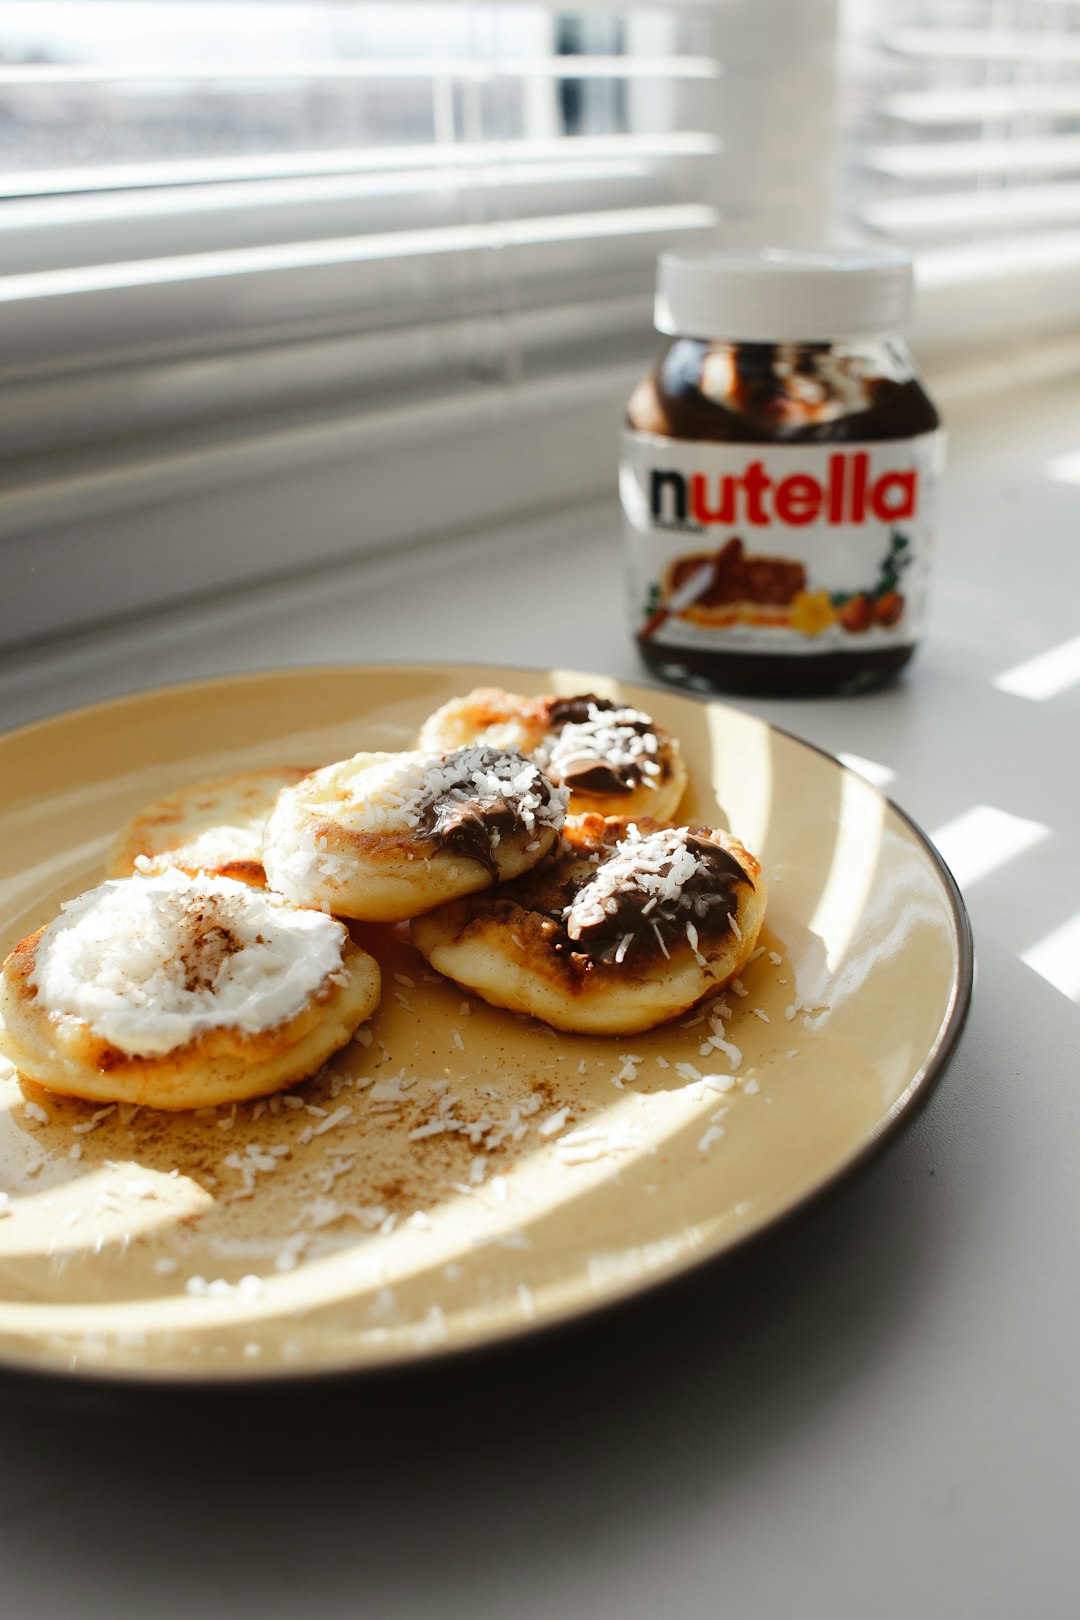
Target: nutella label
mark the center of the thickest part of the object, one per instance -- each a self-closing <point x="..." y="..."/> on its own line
<point x="790" y="549"/>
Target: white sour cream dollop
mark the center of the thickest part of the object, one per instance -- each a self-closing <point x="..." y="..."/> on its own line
<point x="151" y="962"/>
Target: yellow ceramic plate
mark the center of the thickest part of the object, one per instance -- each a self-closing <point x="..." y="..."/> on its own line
<point x="468" y="1175"/>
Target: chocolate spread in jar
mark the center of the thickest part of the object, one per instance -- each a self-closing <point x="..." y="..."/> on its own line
<point x="778" y="493"/>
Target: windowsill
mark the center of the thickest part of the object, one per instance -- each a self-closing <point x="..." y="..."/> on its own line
<point x="547" y="588"/>
<point x="198" y="517"/>
<point x="108" y="543"/>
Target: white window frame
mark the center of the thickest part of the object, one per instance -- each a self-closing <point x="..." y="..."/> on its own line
<point x="234" y="435"/>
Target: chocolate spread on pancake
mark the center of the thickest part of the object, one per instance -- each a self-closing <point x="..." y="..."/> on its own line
<point x="631" y="914"/>
<point x="473" y="828"/>
<point x="595" y="751"/>
<point x="636" y="898"/>
<point x="472" y="822"/>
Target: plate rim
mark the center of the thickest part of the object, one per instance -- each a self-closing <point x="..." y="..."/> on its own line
<point x="902" y="1112"/>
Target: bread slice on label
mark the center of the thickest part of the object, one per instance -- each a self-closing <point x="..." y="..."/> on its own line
<point x="627" y="926"/>
<point x="213" y="827"/>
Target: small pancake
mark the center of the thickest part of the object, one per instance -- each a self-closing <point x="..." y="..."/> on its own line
<point x="214" y="827"/>
<point x="615" y="760"/>
<point x="177" y="993"/>
<point x="383" y="837"/>
<point x="627" y="926"/>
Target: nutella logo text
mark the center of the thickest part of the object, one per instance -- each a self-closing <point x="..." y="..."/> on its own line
<point x="849" y="494"/>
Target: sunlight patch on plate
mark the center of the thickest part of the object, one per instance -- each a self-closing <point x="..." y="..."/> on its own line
<point x="124" y="1202"/>
<point x="742" y="775"/>
<point x="852" y="868"/>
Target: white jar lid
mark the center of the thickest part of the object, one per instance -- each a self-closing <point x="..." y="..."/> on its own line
<point x="782" y="295"/>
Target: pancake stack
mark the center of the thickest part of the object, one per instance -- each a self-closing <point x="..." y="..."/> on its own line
<point x="532" y="845"/>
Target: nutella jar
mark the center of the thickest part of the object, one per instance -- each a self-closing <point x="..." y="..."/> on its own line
<point x="777" y="475"/>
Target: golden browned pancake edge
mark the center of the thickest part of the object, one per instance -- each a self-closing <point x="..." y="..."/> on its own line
<point x="63" y="1053"/>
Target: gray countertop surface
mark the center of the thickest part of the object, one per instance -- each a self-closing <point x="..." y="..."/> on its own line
<point x="875" y="1414"/>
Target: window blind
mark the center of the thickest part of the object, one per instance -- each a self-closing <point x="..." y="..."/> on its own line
<point x="964" y="147"/>
<point x="261" y="261"/>
<point x="462" y="185"/>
